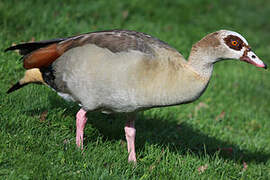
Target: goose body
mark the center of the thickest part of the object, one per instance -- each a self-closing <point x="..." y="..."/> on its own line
<point x="127" y="71"/>
<point x="127" y="81"/>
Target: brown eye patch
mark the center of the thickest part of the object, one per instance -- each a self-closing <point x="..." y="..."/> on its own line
<point x="234" y="42"/>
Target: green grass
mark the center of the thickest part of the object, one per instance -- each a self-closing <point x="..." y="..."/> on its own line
<point x="226" y="128"/>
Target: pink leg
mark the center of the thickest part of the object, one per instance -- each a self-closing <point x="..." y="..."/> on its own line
<point x="130" y="136"/>
<point x="81" y="120"/>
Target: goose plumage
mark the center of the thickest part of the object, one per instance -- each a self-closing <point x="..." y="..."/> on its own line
<point x="122" y="71"/>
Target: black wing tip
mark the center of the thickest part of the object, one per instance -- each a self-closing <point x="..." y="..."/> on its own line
<point x="11" y="48"/>
<point x="15" y="87"/>
<point x="28" y="47"/>
<point x="23" y="48"/>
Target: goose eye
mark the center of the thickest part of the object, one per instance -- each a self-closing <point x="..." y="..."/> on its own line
<point x="234" y="43"/>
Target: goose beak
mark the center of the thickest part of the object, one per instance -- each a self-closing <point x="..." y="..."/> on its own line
<point x="251" y="58"/>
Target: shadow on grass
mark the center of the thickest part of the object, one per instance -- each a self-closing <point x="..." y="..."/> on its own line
<point x="181" y="138"/>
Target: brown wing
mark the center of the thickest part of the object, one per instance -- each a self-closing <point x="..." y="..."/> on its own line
<point x="42" y="54"/>
<point x="43" y="57"/>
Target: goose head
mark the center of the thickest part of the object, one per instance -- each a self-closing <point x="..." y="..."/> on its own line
<point x="235" y="46"/>
<point x="221" y="45"/>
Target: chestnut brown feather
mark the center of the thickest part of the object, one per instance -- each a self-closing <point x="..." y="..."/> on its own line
<point x="42" y="57"/>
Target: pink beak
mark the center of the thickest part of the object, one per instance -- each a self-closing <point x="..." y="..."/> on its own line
<point x="251" y="58"/>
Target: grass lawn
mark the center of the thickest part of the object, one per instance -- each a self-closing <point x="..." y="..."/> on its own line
<point x="223" y="135"/>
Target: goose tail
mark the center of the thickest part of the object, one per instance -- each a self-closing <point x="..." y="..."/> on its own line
<point x="31" y="76"/>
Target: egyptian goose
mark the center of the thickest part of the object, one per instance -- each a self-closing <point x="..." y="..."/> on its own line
<point x="123" y="71"/>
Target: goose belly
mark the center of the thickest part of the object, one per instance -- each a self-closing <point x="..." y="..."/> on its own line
<point x="97" y="78"/>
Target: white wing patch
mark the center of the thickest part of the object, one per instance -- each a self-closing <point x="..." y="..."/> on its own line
<point x="65" y="96"/>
